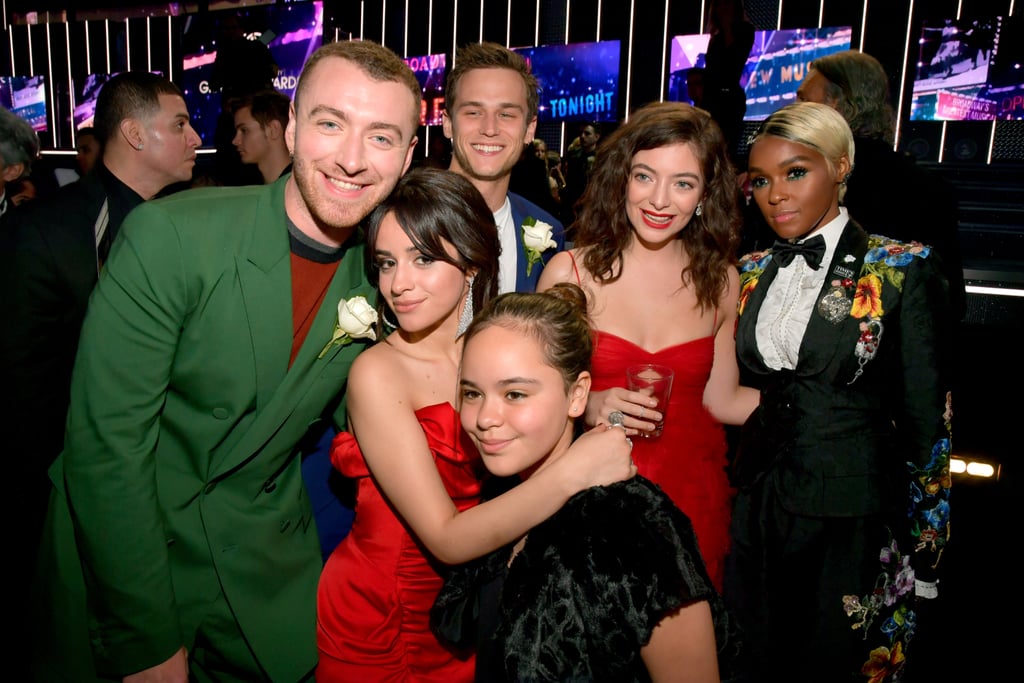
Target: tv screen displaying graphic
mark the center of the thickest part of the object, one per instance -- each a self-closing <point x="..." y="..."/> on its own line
<point x="969" y="70"/>
<point x="776" y="66"/>
<point x="26" y="97"/>
<point x="686" y="62"/>
<point x="430" y="72"/>
<point x="291" y="31"/>
<point x="85" y="92"/>
<point x="579" y="81"/>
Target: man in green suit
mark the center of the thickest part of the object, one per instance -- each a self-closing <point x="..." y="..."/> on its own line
<point x="179" y="538"/>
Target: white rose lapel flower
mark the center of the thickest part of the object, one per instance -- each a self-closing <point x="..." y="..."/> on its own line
<point x="536" y="238"/>
<point x="355" y="321"/>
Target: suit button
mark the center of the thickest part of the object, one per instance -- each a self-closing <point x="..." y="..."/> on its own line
<point x="285" y="524"/>
<point x="221" y="413"/>
<point x="269" y="487"/>
<point x="208" y="489"/>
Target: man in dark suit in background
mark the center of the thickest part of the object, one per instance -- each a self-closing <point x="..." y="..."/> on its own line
<point x="491" y="101"/>
<point x="887" y="192"/>
<point x="50" y="258"/>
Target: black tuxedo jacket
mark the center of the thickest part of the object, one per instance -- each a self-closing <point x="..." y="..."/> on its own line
<point x="47" y="272"/>
<point x="846" y="432"/>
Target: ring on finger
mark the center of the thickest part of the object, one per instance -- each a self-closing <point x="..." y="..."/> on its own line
<point x="642" y="410"/>
<point x="616" y="418"/>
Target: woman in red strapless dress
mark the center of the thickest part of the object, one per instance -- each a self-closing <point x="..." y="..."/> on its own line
<point x="417" y="474"/>
<point x="654" y="248"/>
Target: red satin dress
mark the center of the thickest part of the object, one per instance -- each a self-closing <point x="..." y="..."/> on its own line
<point x="378" y="585"/>
<point x="688" y="461"/>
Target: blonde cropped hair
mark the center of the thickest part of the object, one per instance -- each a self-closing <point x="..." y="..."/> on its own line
<point x="813" y="125"/>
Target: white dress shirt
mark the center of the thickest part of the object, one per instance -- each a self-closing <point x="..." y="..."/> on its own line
<point x="507" y="264"/>
<point x="792" y="298"/>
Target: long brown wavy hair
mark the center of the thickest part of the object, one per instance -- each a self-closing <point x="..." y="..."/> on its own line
<point x="711" y="239"/>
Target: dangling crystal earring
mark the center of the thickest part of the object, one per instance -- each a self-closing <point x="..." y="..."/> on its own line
<point x="467" y="310"/>
<point x="699" y="210"/>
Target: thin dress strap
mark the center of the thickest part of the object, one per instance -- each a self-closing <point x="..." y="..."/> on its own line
<point x="577" y="271"/>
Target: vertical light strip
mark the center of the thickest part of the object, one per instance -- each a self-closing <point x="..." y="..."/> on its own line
<point x="5" y="17"/>
<point x="598" y="37"/>
<point x="405" y="31"/>
<point x="864" y="30"/>
<point x="664" y="52"/>
<point x="906" y="63"/>
<point x="942" y="142"/>
<point x="88" y="52"/>
<point x="821" y="13"/>
<point x="383" y="20"/>
<point x="778" y="19"/>
<point x="31" y="62"/>
<point x="991" y="142"/>
<point x="149" y="45"/>
<point x="71" y="90"/>
<point x="362" y="19"/>
<point x="480" y="28"/>
<point x="629" y="56"/>
<point x="170" y="49"/>
<point x="455" y="33"/>
<point x="106" y="43"/>
<point x="536" y="22"/>
<point x="567" y="7"/>
<point x="127" y="46"/>
<point x="10" y="44"/>
<point x="508" y="24"/>
<point x="703" y="19"/>
<point x="49" y="71"/>
<point x="430" y="28"/>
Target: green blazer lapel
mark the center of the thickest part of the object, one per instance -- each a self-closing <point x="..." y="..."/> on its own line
<point x="292" y="392"/>
<point x="265" y="281"/>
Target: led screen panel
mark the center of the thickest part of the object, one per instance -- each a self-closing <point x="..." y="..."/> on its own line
<point x="291" y="31"/>
<point x="430" y="72"/>
<point x="969" y="70"/>
<point x="777" y="64"/>
<point x="578" y="81"/>
<point x="26" y="97"/>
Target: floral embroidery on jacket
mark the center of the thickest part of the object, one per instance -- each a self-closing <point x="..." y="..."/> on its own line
<point x="888" y="608"/>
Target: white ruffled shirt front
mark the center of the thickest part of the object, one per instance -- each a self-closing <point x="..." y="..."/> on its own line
<point x="792" y="298"/>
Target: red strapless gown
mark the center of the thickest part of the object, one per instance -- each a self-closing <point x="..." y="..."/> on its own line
<point x="378" y="585"/>
<point x="688" y="460"/>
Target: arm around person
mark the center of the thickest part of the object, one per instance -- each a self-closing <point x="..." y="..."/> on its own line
<point x="399" y="458"/>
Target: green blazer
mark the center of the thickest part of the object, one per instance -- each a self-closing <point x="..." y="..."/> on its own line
<point x="181" y="463"/>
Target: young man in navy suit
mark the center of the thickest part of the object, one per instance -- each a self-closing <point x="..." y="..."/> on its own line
<point x="491" y="101"/>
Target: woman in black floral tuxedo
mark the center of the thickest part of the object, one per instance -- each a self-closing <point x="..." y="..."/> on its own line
<point x="843" y="470"/>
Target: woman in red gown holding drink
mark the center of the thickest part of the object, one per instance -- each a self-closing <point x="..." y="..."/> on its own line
<point x="654" y="248"/>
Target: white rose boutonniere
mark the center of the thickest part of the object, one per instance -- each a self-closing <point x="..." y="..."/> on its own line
<point x="355" y="321"/>
<point x="536" y="238"/>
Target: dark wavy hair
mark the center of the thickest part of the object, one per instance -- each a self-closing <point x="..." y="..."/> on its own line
<point x="556" y="318"/>
<point x="711" y="239"/>
<point x="434" y="206"/>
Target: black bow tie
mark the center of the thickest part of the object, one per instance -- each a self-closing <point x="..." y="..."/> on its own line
<point x="812" y="250"/>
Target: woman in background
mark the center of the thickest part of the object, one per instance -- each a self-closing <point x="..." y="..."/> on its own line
<point x="655" y="252"/>
<point x="610" y="588"/>
<point x="433" y="254"/>
<point x="843" y="472"/>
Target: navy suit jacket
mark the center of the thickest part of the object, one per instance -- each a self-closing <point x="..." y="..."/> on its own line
<point x="521" y="209"/>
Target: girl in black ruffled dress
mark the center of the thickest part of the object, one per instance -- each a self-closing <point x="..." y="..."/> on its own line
<point x="610" y="588"/>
